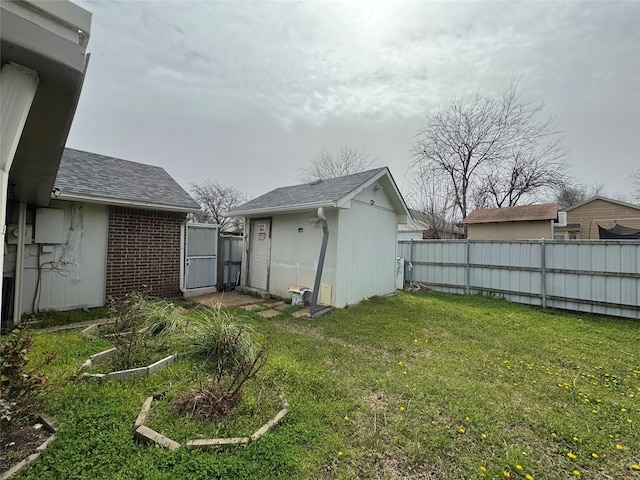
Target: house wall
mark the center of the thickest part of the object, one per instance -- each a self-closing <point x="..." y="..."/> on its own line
<point x="510" y="230"/>
<point x="406" y="235"/>
<point x="143" y="252"/>
<point x="294" y="253"/>
<point x="72" y="274"/>
<point x="603" y="213"/>
<point x="366" y="248"/>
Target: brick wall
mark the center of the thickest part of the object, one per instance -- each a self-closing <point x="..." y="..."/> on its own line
<point x="143" y="249"/>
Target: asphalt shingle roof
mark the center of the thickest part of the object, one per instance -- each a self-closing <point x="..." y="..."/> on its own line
<point x="325" y="191"/>
<point x="545" y="211"/>
<point x="98" y="175"/>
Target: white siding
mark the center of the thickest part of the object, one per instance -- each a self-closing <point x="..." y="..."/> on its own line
<point x="408" y="235"/>
<point x="368" y="235"/>
<point x="294" y="253"/>
<point x="74" y="275"/>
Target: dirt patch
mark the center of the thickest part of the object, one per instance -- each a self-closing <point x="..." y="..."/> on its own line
<point x="19" y="444"/>
<point x="226" y="299"/>
<point x="388" y="467"/>
<point x="376" y="401"/>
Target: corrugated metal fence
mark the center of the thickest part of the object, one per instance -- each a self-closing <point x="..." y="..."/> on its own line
<point x="601" y="277"/>
<point x="230" y="260"/>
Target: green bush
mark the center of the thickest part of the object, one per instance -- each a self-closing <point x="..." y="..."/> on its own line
<point x="142" y="328"/>
<point x="229" y="351"/>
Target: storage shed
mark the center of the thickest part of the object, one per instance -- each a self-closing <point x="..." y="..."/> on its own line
<point x="527" y="222"/>
<point x="284" y="235"/>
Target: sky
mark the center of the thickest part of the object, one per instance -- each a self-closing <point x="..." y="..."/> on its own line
<point x="247" y="93"/>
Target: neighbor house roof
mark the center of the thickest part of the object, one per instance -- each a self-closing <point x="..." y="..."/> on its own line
<point x="605" y="199"/>
<point x="545" y="211"/>
<point x="334" y="192"/>
<point x="90" y="177"/>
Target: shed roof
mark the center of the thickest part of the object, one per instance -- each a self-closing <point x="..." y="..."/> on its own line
<point x="545" y="211"/>
<point x="604" y="199"/>
<point x="97" y="178"/>
<point x="333" y="192"/>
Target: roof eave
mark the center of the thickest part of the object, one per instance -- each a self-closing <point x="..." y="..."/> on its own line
<point x="605" y="199"/>
<point x="279" y="210"/>
<point x="123" y="203"/>
<point x="398" y="201"/>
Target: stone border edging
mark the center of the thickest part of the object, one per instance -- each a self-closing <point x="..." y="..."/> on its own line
<point x="88" y="331"/>
<point x="124" y="374"/>
<point x="144" y="433"/>
<point x="50" y="425"/>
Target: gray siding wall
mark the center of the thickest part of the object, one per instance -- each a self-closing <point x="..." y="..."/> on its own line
<point x="601" y="277"/>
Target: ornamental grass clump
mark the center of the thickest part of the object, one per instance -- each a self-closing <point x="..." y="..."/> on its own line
<point x="144" y="329"/>
<point x="231" y="355"/>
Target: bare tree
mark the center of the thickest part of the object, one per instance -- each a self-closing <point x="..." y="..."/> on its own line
<point x="492" y="151"/>
<point x="215" y="200"/>
<point x="570" y="195"/>
<point x="344" y="161"/>
<point x="635" y="179"/>
<point x="434" y="200"/>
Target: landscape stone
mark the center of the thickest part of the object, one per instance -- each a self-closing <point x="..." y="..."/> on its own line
<point x="144" y="413"/>
<point x="132" y="372"/>
<point x="146" y="434"/>
<point x="217" y="442"/>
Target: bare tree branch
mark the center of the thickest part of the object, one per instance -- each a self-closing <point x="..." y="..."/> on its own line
<point x="635" y="179"/>
<point x="570" y="195"/>
<point x="492" y="152"/>
<point x="435" y="202"/>
<point x="344" y="161"/>
<point x="215" y="200"/>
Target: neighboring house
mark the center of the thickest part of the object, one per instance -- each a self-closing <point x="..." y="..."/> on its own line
<point x="422" y="226"/>
<point x="283" y="237"/>
<point x="113" y="226"/>
<point x="528" y="222"/>
<point x="44" y="60"/>
<point x="583" y="219"/>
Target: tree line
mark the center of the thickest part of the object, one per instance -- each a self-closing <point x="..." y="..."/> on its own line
<point x="478" y="152"/>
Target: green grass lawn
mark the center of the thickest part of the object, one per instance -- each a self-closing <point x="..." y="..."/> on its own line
<point x="423" y="386"/>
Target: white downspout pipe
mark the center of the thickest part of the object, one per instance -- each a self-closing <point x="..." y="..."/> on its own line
<point x="17" y="280"/>
<point x="323" y="251"/>
<point x="18" y="86"/>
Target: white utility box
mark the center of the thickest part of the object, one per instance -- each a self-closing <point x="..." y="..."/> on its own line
<point x="50" y="226"/>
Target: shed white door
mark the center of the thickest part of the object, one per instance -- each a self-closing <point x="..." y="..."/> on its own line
<point x="260" y="250"/>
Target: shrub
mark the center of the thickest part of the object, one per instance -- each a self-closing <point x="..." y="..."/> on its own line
<point x="229" y="351"/>
<point x="142" y="327"/>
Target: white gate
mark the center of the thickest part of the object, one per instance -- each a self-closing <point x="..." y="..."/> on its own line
<point x="199" y="259"/>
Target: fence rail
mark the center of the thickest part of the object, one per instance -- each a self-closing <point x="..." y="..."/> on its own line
<point x="600" y="277"/>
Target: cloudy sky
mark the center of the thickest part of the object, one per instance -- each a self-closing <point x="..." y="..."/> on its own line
<point x="245" y="93"/>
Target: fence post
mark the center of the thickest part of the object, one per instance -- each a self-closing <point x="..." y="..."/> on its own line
<point x="468" y="267"/>
<point x="543" y="273"/>
<point x="411" y="261"/>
